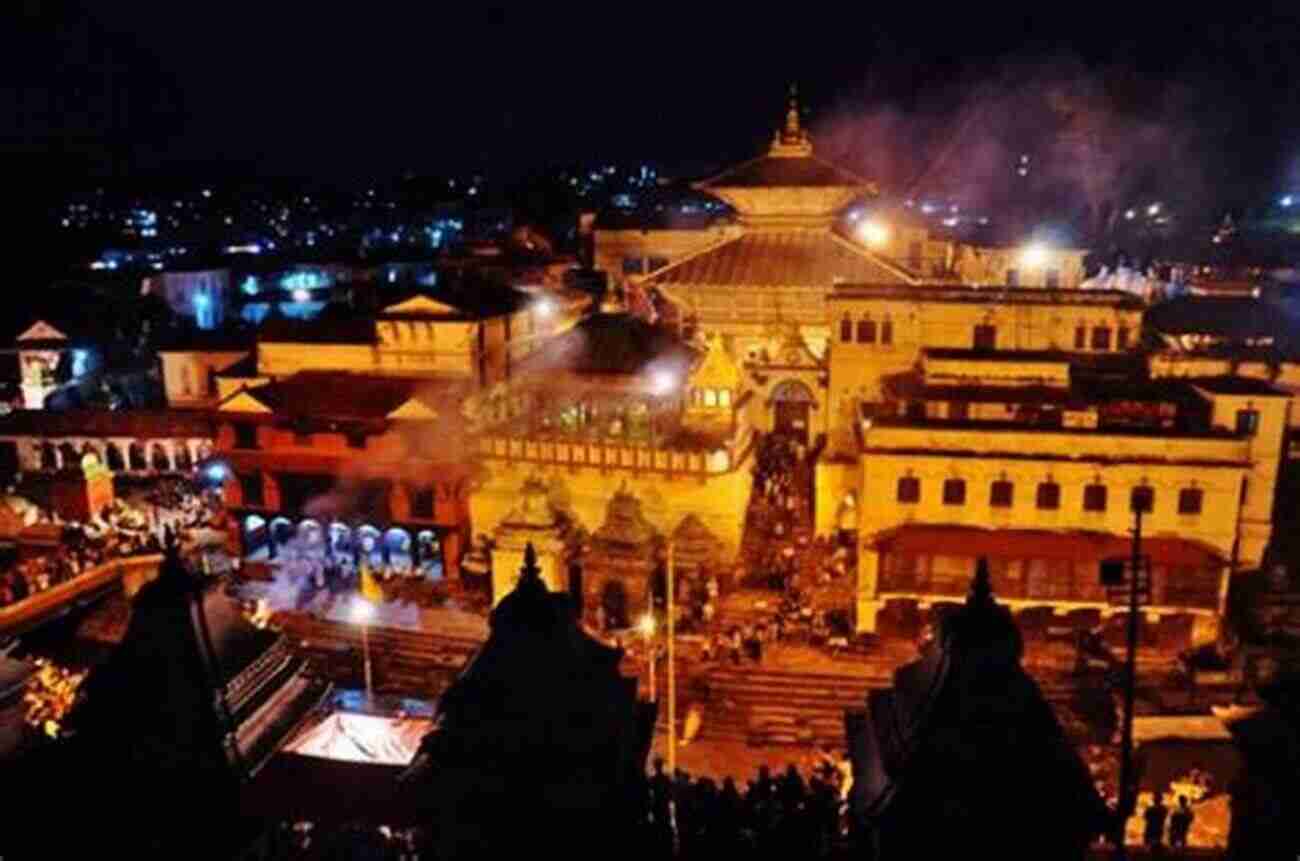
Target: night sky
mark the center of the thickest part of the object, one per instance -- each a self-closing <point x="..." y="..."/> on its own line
<point x="346" y="92"/>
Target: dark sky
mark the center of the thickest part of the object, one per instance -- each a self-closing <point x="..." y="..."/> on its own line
<point x="350" y="91"/>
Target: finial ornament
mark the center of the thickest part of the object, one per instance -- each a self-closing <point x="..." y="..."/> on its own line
<point x="792" y="115"/>
<point x="981" y="587"/>
<point x="530" y="571"/>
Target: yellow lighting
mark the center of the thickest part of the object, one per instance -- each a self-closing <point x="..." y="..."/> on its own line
<point x="362" y="611"/>
<point x="545" y="308"/>
<point x="874" y="233"/>
<point x="1033" y="256"/>
<point x="647" y="625"/>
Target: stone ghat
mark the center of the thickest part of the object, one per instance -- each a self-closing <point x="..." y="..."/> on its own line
<point x="404" y="662"/>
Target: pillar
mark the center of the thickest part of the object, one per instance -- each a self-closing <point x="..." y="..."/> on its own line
<point x="868" y="603"/>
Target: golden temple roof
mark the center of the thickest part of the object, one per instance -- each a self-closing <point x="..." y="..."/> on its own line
<point x="783" y="258"/>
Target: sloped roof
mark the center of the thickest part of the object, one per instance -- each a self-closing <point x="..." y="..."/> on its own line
<point x="343" y="396"/>
<point x="782" y="258"/>
<point x="774" y="171"/>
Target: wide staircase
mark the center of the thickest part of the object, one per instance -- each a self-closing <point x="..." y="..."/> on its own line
<point x="760" y="706"/>
<point x="403" y="662"/>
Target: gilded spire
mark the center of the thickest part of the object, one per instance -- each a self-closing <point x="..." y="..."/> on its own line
<point x="792" y="115"/>
<point x="791" y="139"/>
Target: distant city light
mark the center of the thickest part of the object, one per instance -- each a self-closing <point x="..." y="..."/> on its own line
<point x="301" y="295"/>
<point x="216" y="472"/>
<point x="250" y="286"/>
<point x="201" y="300"/>
<point x="1287" y="200"/>
<point x="1130" y="214"/>
<point x="250" y="248"/>
<point x="873" y="233"/>
<point x="207" y="192"/>
<point x="1153" y="209"/>
<point x="1034" y="255"/>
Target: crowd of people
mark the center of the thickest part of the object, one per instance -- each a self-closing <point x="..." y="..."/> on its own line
<point x="119" y="530"/>
<point x="785" y="814"/>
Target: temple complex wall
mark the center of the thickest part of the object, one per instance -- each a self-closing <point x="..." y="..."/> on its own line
<point x="718" y="499"/>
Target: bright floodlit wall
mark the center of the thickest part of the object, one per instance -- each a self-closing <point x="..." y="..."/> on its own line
<point x="953" y="317"/>
<point x="748" y="318"/>
<point x="582" y="477"/>
<point x="930" y="456"/>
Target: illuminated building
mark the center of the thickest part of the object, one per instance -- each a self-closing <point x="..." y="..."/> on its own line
<point x="616" y="409"/>
<point x="40" y="349"/>
<point x="1023" y="436"/>
<point x="201" y="295"/>
<point x="357" y="421"/>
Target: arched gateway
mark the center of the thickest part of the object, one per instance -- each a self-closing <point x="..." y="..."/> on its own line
<point x="792" y="406"/>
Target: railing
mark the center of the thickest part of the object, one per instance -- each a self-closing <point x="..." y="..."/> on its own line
<point x="41" y="606"/>
<point x="604" y="455"/>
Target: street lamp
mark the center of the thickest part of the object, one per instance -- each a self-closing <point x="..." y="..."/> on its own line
<point x="874" y="233"/>
<point x="362" y="612"/>
<point x="647" y="627"/>
<point x="1034" y="256"/>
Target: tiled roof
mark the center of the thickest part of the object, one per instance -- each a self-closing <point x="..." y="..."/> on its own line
<point x="345" y="396"/>
<point x="782" y="258"/>
<point x="1042" y="543"/>
<point x="770" y="171"/>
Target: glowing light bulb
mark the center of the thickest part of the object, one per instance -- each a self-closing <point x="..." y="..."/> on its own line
<point x="873" y="233"/>
<point x="1034" y="255"/>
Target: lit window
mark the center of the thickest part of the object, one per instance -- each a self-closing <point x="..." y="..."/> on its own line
<point x="710" y="398"/>
<point x="1190" y="500"/>
<point x="954" y="491"/>
<point x="1001" y="494"/>
<point x="724" y="397"/>
<point x="909" y="489"/>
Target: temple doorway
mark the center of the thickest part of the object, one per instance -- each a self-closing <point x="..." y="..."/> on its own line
<point x="613" y="598"/>
<point x="792" y="405"/>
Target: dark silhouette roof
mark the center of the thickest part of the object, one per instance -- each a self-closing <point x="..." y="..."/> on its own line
<point x="1228" y="317"/>
<point x="964" y="739"/>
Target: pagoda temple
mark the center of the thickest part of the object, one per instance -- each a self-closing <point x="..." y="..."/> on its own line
<point x="965" y="740"/>
<point x="540" y="742"/>
<point x="177" y="723"/>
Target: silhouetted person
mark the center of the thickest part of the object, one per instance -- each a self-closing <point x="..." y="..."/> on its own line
<point x="1155" y="816"/>
<point x="661" y="803"/>
<point x="1180" y="823"/>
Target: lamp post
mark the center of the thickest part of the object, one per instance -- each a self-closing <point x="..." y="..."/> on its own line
<point x="362" y="611"/>
<point x="648" y="632"/>
<point x="672" y="679"/>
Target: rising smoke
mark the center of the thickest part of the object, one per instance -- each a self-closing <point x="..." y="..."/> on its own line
<point x="1098" y="141"/>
